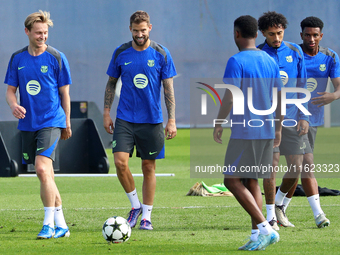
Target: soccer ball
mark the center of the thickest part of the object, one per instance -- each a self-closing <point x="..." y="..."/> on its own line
<point x="116" y="230"/>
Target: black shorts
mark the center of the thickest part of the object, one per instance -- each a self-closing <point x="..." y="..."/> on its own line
<point x="249" y="158"/>
<point x="148" y="139"/>
<point x="42" y="142"/>
<point x="291" y="142"/>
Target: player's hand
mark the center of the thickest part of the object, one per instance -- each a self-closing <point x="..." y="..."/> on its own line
<point x="302" y="126"/>
<point x="218" y="130"/>
<point x="170" y="129"/>
<point x="66" y="133"/>
<point x="18" y="111"/>
<point x="277" y="139"/>
<point x="326" y="98"/>
<point x="108" y="124"/>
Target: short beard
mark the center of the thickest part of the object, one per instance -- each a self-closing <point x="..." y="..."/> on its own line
<point x="138" y="44"/>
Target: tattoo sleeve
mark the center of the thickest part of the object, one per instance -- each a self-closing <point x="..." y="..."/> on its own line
<point x="110" y="92"/>
<point x="169" y="97"/>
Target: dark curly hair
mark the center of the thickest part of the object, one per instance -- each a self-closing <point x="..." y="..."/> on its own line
<point x="311" y="22"/>
<point x="247" y="26"/>
<point x="272" y="19"/>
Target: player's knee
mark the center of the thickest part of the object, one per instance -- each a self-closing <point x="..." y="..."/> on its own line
<point x="121" y="165"/>
<point x="42" y="172"/>
<point x="148" y="166"/>
<point x="308" y="159"/>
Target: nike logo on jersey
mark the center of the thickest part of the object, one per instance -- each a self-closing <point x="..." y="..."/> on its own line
<point x="39" y="149"/>
<point x="19" y="68"/>
<point x="126" y="63"/>
<point x="151" y="153"/>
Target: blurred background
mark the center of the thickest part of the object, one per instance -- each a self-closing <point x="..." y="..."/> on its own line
<point x="198" y="33"/>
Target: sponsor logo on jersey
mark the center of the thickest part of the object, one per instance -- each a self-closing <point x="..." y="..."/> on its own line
<point x="140" y="81"/>
<point x="151" y="63"/>
<point x="284" y="77"/>
<point x="311" y="84"/>
<point x="322" y="67"/>
<point x="33" y="87"/>
<point x="289" y="59"/>
<point x="44" y="69"/>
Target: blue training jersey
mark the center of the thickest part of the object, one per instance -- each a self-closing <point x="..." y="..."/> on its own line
<point x="141" y="74"/>
<point x="256" y="69"/>
<point x="319" y="67"/>
<point x="289" y="57"/>
<point x="39" y="79"/>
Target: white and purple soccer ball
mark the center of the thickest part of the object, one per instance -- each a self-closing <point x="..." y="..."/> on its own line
<point x="116" y="230"/>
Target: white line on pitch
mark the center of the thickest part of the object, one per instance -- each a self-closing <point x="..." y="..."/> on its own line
<point x="93" y="175"/>
<point x="167" y="208"/>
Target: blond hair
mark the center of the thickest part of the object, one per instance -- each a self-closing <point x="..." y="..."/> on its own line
<point x="41" y="16"/>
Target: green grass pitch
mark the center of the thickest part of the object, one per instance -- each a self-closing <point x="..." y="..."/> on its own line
<point x="182" y="225"/>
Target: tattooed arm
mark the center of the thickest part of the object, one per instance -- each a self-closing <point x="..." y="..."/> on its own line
<point x="169" y="96"/>
<point x="110" y="92"/>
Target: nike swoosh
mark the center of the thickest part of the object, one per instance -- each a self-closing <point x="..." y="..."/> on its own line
<point x="19" y="68"/>
<point x="126" y="63"/>
<point x="39" y="149"/>
<point x="151" y="153"/>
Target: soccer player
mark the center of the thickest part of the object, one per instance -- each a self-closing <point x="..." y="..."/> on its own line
<point x="42" y="76"/>
<point x="289" y="57"/>
<point x="143" y="65"/>
<point x="250" y="146"/>
<point x="321" y="63"/>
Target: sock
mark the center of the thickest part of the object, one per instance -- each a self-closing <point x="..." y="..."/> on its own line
<point x="133" y="197"/>
<point x="254" y="234"/>
<point x="59" y="218"/>
<point x="49" y="216"/>
<point x="271" y="212"/>
<point x="146" y="212"/>
<point x="286" y="202"/>
<point x="279" y="197"/>
<point x="264" y="228"/>
<point x="314" y="202"/>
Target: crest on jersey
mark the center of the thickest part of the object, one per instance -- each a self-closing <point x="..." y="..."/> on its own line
<point x="322" y="67"/>
<point x="289" y="59"/>
<point x="151" y="63"/>
<point x="44" y="69"/>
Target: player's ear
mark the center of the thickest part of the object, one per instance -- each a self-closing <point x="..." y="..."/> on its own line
<point x="263" y="33"/>
<point x="237" y="33"/>
<point x="301" y="34"/>
<point x="321" y="35"/>
<point x="150" y="27"/>
<point x="256" y="35"/>
<point x="26" y="30"/>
